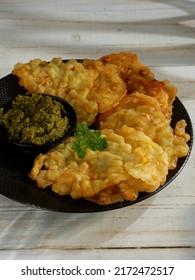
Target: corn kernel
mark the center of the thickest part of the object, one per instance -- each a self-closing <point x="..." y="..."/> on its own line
<point x="144" y="159"/>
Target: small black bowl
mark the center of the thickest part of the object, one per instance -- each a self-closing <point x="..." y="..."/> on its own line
<point x="72" y="121"/>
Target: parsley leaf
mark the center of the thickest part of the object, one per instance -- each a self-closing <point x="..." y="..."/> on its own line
<point x="87" y="138"/>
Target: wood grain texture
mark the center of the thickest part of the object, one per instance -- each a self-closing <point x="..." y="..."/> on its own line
<point x="162" y="33"/>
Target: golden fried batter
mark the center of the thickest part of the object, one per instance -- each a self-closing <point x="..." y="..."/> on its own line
<point x="139" y="78"/>
<point x="109" y="88"/>
<point x="70" y="81"/>
<point x="91" y="87"/>
<point x="132" y="161"/>
<point x="136" y="110"/>
<point x="143" y="113"/>
<point x="128" y="63"/>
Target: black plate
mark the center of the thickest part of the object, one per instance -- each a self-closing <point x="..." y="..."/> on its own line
<point x="14" y="167"/>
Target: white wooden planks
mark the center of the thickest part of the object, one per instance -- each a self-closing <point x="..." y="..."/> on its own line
<point x="162" y="34"/>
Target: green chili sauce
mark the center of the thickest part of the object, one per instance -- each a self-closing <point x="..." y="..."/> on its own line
<point x="35" y="119"/>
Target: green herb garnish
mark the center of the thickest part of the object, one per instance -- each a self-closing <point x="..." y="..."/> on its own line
<point x="87" y="138"/>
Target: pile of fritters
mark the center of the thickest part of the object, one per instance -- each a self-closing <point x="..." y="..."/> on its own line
<point x="90" y="90"/>
<point x="121" y="97"/>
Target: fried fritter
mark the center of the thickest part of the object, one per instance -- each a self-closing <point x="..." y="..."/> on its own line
<point x="128" y="63"/>
<point x="136" y="110"/>
<point x="91" y="87"/>
<point x="131" y="161"/>
<point x="109" y="88"/>
<point x="143" y="113"/>
<point x="173" y="141"/>
<point x="70" y="81"/>
<point x="139" y="78"/>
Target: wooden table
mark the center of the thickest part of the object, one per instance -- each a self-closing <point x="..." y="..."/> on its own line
<point x="162" y="33"/>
